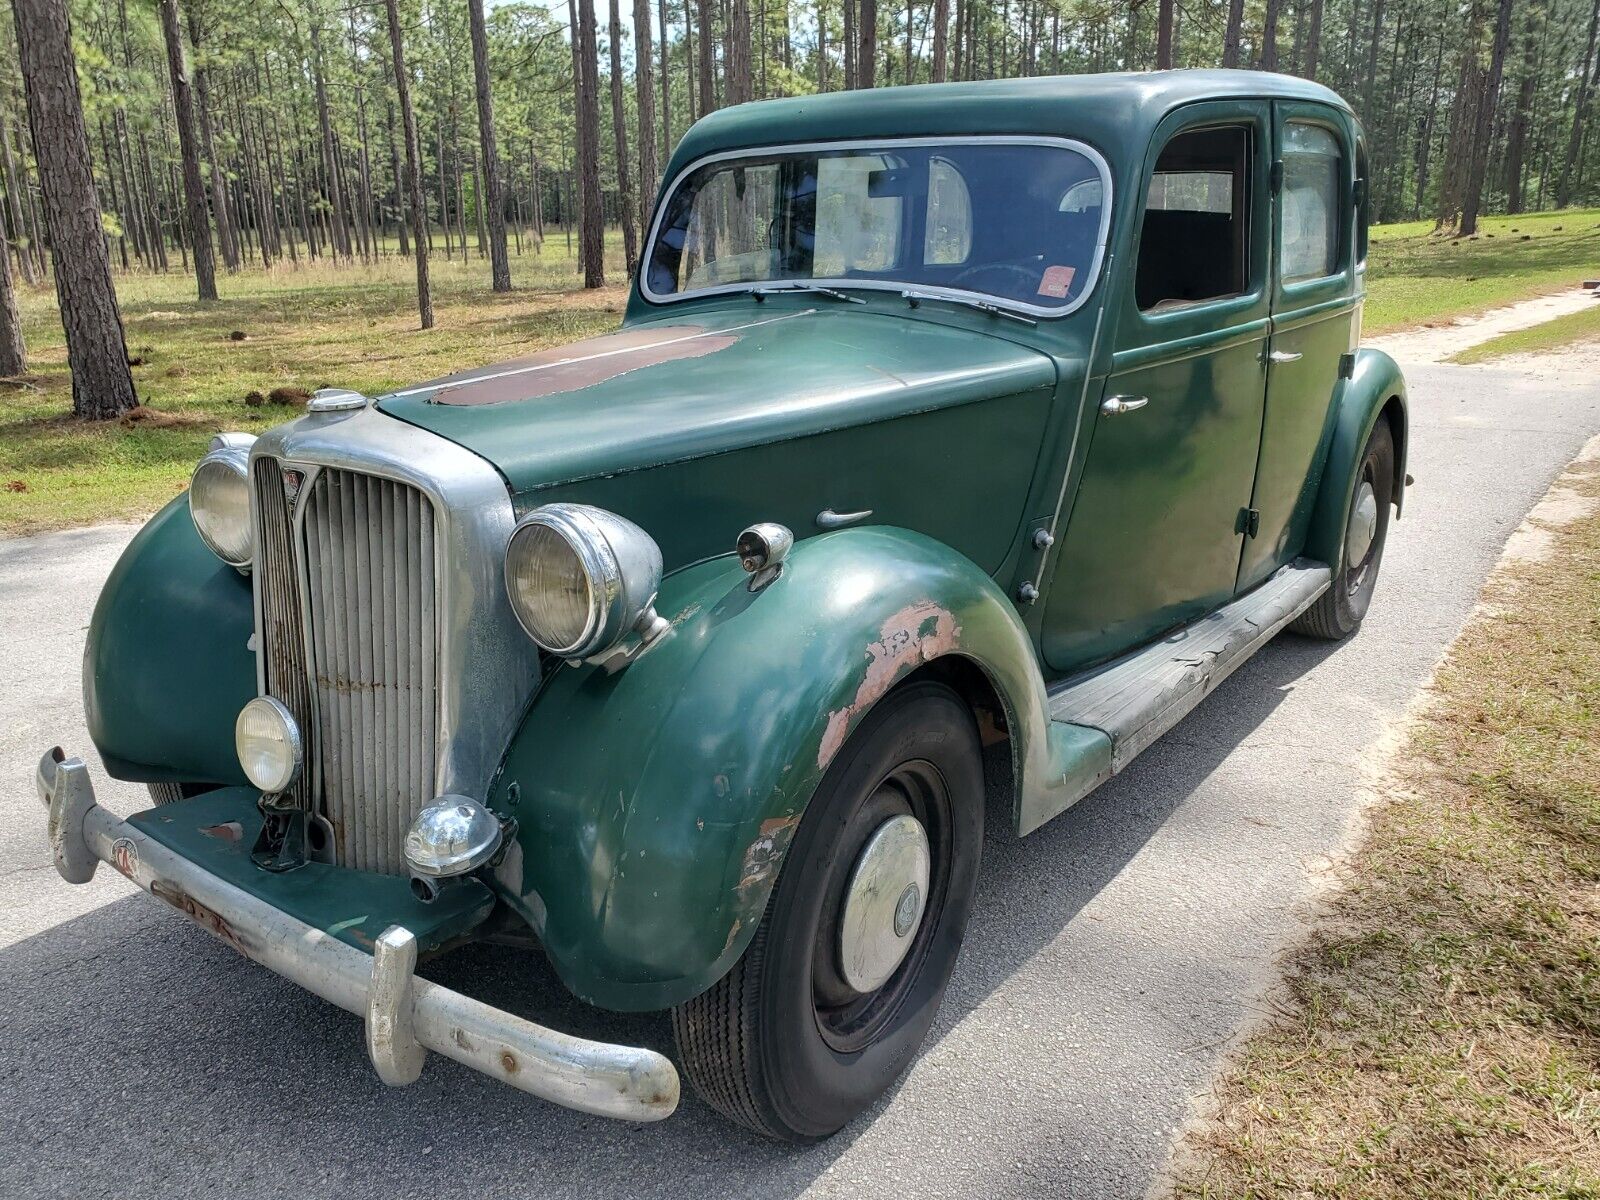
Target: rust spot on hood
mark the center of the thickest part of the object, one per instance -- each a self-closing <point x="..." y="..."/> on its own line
<point x="918" y="633"/>
<point x="579" y="365"/>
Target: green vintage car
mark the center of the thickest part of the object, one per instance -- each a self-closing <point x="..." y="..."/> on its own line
<point x="958" y="440"/>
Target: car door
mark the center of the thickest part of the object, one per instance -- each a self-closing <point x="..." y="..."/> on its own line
<point x="1315" y="320"/>
<point x="1154" y="534"/>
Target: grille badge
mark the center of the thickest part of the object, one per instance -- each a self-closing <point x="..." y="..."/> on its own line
<point x="292" y="480"/>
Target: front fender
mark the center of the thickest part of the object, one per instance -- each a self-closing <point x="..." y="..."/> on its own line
<point x="654" y="806"/>
<point x="1375" y="387"/>
<point x="167" y="665"/>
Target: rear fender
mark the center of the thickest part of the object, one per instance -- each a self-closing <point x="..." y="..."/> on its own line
<point x="655" y="805"/>
<point x="1375" y="391"/>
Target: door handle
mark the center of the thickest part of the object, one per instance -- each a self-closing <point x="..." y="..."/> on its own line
<point x="1284" y="356"/>
<point x="828" y="519"/>
<point x="1115" y="406"/>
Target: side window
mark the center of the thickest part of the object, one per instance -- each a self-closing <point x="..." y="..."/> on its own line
<point x="1194" y="243"/>
<point x="1312" y="207"/>
<point x="1363" y="203"/>
<point x="948" y="236"/>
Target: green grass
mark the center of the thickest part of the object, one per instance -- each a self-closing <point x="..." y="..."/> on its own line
<point x="1438" y="1035"/>
<point x="1552" y="335"/>
<point x="1415" y="277"/>
<point x="304" y="327"/>
<point x="356" y="327"/>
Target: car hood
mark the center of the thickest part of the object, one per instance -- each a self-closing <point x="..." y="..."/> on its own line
<point x="668" y="390"/>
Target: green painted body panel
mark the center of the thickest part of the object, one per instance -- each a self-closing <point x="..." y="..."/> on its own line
<point x="167" y="665"/>
<point x="655" y="804"/>
<point x="792" y="410"/>
<point x="215" y="831"/>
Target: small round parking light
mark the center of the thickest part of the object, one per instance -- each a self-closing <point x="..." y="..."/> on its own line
<point x="268" y="741"/>
<point x="453" y="835"/>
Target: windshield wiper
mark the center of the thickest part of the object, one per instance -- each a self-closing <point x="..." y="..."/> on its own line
<point x="914" y="298"/>
<point x="761" y="293"/>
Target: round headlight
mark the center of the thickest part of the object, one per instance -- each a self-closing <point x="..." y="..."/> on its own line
<point x="580" y="577"/>
<point x="219" y="502"/>
<point x="268" y="741"/>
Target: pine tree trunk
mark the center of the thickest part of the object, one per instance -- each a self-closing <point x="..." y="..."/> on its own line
<point x="645" y="99"/>
<point x="208" y="141"/>
<point x="408" y="125"/>
<point x="664" y="146"/>
<point x="1308" y="66"/>
<point x="499" y="264"/>
<point x="13" y="353"/>
<point x="1164" y="35"/>
<point x="847" y="48"/>
<point x="194" y="187"/>
<point x="739" y="81"/>
<point x="591" y="237"/>
<point x="339" y="221"/>
<point x="1483" y="135"/>
<point x="941" y="46"/>
<point x="400" y="182"/>
<point x="1269" y="36"/>
<point x="97" y="354"/>
<point x="708" y="96"/>
<point x="14" y="207"/>
<point x="1231" y="36"/>
<point x="1575" y="137"/>
<point x="867" y="44"/>
<point x="619" y="134"/>
<point x="1517" y="136"/>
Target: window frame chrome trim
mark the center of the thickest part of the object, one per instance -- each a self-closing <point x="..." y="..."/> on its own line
<point x="1044" y="312"/>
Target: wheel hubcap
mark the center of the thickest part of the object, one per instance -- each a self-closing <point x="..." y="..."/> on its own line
<point x="884" y="904"/>
<point x="1363" y="525"/>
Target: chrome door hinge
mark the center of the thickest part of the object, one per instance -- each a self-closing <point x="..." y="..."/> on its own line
<point x="1347" y="366"/>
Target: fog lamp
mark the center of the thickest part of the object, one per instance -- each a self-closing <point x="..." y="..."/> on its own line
<point x="268" y="741"/>
<point x="453" y="835"/>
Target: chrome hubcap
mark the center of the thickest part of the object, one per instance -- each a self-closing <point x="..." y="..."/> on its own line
<point x="884" y="904"/>
<point x="1363" y="526"/>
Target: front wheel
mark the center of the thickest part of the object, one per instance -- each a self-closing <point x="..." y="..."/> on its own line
<point x="1339" y="610"/>
<point x="828" y="1005"/>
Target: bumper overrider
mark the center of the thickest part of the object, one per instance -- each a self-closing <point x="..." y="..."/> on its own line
<point x="406" y="1015"/>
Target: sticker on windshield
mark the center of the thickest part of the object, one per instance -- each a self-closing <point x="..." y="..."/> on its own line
<point x="1057" y="282"/>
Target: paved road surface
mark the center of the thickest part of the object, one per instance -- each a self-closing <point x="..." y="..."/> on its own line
<point x="1111" y="957"/>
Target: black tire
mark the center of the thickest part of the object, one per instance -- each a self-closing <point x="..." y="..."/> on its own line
<point x="782" y="1044"/>
<point x="1339" y="611"/>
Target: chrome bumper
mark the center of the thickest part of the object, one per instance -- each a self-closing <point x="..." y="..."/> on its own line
<point x="406" y="1016"/>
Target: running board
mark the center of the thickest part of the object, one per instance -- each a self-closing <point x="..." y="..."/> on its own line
<point x="1133" y="700"/>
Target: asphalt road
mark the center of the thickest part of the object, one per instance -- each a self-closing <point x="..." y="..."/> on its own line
<point x="1111" y="958"/>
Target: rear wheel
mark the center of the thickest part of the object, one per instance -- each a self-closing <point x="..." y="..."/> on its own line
<point x="1339" y="611"/>
<point x="828" y="1005"/>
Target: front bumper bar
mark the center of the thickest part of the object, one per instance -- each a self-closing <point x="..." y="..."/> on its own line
<point x="406" y="1016"/>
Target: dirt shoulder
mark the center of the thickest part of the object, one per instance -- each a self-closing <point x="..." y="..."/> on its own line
<point x="1438" y="1031"/>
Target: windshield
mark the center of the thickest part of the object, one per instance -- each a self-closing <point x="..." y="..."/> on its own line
<point x="1016" y="221"/>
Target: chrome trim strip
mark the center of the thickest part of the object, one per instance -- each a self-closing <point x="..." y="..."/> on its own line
<point x="405" y="1014"/>
<point x="486" y="665"/>
<point x="933" y="292"/>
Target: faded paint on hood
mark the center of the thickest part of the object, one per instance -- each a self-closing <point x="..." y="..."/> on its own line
<point x="668" y="391"/>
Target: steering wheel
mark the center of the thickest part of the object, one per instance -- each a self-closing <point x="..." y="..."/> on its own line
<point x="972" y="278"/>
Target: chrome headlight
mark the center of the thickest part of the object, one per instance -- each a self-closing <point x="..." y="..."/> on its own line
<point x="219" y="499"/>
<point x="580" y="578"/>
<point x="269" y="746"/>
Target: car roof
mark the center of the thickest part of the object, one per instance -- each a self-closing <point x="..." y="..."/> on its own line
<point x="1113" y="112"/>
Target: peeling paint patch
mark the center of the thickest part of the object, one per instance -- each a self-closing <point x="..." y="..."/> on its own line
<point x="918" y="633"/>
<point x="762" y="858"/>
<point x="228" y="831"/>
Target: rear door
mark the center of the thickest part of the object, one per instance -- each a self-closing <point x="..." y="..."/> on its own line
<point x="1155" y="532"/>
<point x="1315" y="320"/>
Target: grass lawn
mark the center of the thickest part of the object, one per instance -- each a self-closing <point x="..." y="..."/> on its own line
<point x="1563" y="331"/>
<point x="1440" y="1031"/>
<point x="356" y="327"/>
<point x="1415" y="277"/>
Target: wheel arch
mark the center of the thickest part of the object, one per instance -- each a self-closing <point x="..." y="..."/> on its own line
<point x="655" y="806"/>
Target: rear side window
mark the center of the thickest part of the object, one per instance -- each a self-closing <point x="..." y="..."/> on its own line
<point x="1312" y="170"/>
<point x="1194" y="244"/>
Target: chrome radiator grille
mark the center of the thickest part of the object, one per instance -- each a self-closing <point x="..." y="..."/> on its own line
<point x="362" y="570"/>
